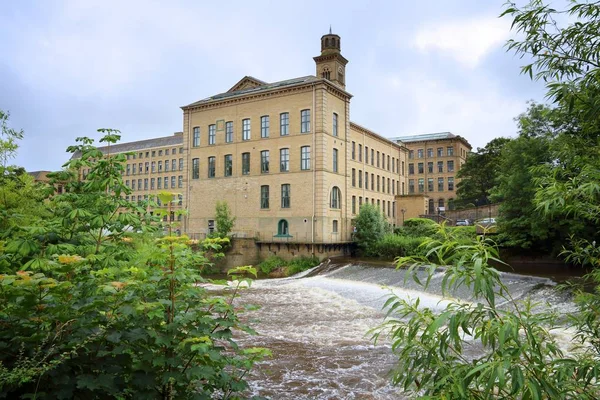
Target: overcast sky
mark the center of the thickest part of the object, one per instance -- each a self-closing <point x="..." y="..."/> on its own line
<point x="70" y="67"/>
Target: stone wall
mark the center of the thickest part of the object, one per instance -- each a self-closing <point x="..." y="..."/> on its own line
<point x="473" y="213"/>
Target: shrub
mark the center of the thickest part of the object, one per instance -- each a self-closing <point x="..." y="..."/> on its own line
<point x="271" y="264"/>
<point x="300" y="264"/>
<point x="370" y="227"/>
<point x="418" y="227"/>
<point x="392" y="246"/>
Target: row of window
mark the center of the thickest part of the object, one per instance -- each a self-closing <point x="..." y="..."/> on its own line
<point x="440" y="152"/>
<point x="378" y="183"/>
<point x="153" y="167"/>
<point x="440" y="167"/>
<point x="440" y="204"/>
<point x="377" y="159"/>
<point x="265" y="162"/>
<point x="386" y="207"/>
<point x="430" y="185"/>
<point x="335" y="199"/>
<point x="145" y="198"/>
<point x="154" y="153"/>
<point x="283" y="227"/>
<point x="265" y="128"/>
<point x="155" y="183"/>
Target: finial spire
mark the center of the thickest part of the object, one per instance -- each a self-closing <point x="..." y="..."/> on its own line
<point x="330" y="29"/>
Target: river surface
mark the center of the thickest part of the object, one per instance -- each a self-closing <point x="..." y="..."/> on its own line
<point x="317" y="329"/>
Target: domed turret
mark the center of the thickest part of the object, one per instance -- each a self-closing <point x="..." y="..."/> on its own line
<point x="331" y="65"/>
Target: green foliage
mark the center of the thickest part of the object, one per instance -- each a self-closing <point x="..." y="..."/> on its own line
<point x="8" y="141"/>
<point x="517" y="355"/>
<point x="292" y="267"/>
<point x="393" y="245"/>
<point x="94" y="303"/>
<point x="224" y="219"/>
<point x="370" y="227"/>
<point x="479" y="173"/>
<point x="418" y="227"/>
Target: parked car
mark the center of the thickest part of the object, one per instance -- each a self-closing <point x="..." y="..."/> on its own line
<point x="463" y="222"/>
<point x="487" y="225"/>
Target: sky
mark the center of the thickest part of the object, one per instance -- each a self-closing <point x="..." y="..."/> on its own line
<point x="69" y="67"/>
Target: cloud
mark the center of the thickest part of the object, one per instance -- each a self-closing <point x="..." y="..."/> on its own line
<point x="467" y="41"/>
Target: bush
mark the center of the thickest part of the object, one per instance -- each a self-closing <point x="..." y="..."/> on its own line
<point x="417" y="227"/>
<point x="271" y="264"/>
<point x="392" y="246"/>
<point x="370" y="227"/>
<point x="300" y="264"/>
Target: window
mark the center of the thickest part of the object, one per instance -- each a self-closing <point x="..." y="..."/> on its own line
<point x="393" y="186"/>
<point x="430" y="167"/>
<point x="139" y="184"/>
<point x="173" y="165"/>
<point x="264" y="126"/>
<point x="285" y="195"/>
<point x="283" y="228"/>
<point x="360" y="152"/>
<point x="359" y="202"/>
<point x="366" y="155"/>
<point x="134" y="168"/>
<point x="367" y="180"/>
<point x="353" y="204"/>
<point x="160" y="168"/>
<point x="181" y="164"/>
<point x="264" y="161"/>
<point x="353" y="177"/>
<point x="173" y="181"/>
<point x="211" y="168"/>
<point x="440" y="151"/>
<point x="212" y="134"/>
<point x="195" y="168"/>
<point x="440" y="184"/>
<point x="335" y="125"/>
<point x="388" y="185"/>
<point x="378" y="187"/>
<point x="420" y="167"/>
<point x="440" y="166"/>
<point x="196" y="141"/>
<point x="403" y="188"/>
<point x="430" y="207"/>
<point x="284" y="124"/>
<point x="128" y="169"/>
<point x="126" y="184"/>
<point x="133" y="184"/>
<point x="372" y="157"/>
<point x="372" y="181"/>
<point x="402" y="168"/>
<point x="264" y="196"/>
<point x="430" y="152"/>
<point x="228" y="165"/>
<point x="159" y="183"/>
<point x="451" y="166"/>
<point x="450" y="183"/>
<point x="411" y="169"/>
<point x="305" y="158"/>
<point x="245" y="163"/>
<point x="180" y="181"/>
<point x="304" y="121"/>
<point x="449" y="151"/>
<point x="284" y="160"/>
<point x="167" y="165"/>
<point x="181" y="150"/>
<point x="360" y="179"/>
<point x="160" y="153"/>
<point x="147" y="167"/>
<point x="388" y="163"/>
<point x="441" y="203"/>
<point x="146" y="184"/>
<point x="420" y="153"/>
<point x="334" y="228"/>
<point x="152" y="183"/>
<point x="430" y="184"/>
<point x="354" y="150"/>
<point x="335" y="160"/>
<point x="411" y="154"/>
<point x="246" y="129"/>
<point x="377" y="159"/>
<point x="166" y="182"/>
<point x="393" y="164"/>
<point x="228" y="132"/>
<point x="167" y="150"/>
<point x="179" y="202"/>
<point x="336" y="197"/>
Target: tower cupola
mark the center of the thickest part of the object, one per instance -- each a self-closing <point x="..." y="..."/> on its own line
<point x="331" y="65"/>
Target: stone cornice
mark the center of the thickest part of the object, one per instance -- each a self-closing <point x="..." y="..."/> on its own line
<point x="332" y="56"/>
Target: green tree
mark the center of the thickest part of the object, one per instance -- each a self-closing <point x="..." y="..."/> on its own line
<point x="9" y="138"/>
<point x="224" y="219"/>
<point x="95" y="303"/>
<point x="370" y="227"/>
<point x="479" y="173"/>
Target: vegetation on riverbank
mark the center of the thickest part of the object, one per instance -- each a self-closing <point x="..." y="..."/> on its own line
<point x="277" y="267"/>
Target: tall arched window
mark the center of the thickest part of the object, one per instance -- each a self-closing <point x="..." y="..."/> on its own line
<point x="431" y="207"/>
<point x="441" y="203"/>
<point x="336" y="197"/>
<point x="283" y="227"/>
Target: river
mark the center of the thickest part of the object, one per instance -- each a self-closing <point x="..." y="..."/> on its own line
<point x="316" y="326"/>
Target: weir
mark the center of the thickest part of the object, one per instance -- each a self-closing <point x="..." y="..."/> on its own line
<point x="316" y="325"/>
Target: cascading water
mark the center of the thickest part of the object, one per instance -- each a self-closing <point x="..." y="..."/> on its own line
<point x="316" y="326"/>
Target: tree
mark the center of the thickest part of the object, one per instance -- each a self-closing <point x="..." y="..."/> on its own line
<point x="370" y="227"/>
<point x="224" y="219"/>
<point x="8" y="140"/>
<point x="479" y="173"/>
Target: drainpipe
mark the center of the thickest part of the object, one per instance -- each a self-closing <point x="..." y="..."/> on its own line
<point x="186" y="145"/>
<point x="314" y="167"/>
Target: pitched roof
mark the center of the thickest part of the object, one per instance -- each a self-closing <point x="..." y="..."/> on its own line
<point x="425" y="136"/>
<point x="249" y="84"/>
<point x="173" y="140"/>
